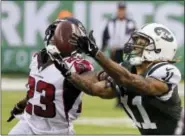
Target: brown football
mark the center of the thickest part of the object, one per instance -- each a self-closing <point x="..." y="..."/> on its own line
<point x="63" y="33"/>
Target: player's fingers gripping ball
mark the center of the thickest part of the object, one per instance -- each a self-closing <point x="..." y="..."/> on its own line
<point x="86" y="44"/>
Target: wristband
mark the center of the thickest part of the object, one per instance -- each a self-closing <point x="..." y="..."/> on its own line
<point x="17" y="107"/>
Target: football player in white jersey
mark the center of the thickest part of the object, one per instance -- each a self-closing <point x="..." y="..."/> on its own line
<point x="147" y="89"/>
<point x="51" y="104"/>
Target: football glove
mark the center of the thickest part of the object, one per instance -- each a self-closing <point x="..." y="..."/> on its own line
<point x="58" y="61"/>
<point x="16" y="111"/>
<point x="86" y="44"/>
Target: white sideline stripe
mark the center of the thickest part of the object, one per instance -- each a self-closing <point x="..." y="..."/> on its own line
<point x="9" y="84"/>
<point x="102" y="121"/>
<point x="122" y="122"/>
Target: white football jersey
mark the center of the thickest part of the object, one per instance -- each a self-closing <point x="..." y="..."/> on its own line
<point x="51" y="109"/>
<point x="169" y="74"/>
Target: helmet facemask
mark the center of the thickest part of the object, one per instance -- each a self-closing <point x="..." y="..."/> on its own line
<point x="137" y="46"/>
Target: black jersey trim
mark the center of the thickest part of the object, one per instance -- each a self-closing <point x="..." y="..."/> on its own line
<point x="152" y="68"/>
<point x="43" y="59"/>
<point x="70" y="94"/>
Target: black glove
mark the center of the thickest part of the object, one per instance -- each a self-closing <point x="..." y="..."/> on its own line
<point x="60" y="64"/>
<point x="86" y="44"/>
<point x="16" y="110"/>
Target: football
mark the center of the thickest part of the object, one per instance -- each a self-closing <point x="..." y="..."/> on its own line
<point x="62" y="35"/>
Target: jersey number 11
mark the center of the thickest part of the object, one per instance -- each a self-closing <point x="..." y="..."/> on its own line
<point x="136" y="101"/>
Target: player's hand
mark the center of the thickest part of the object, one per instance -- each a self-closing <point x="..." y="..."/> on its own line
<point x="102" y="76"/>
<point x="86" y="44"/>
<point x="58" y="61"/>
<point x="16" y="111"/>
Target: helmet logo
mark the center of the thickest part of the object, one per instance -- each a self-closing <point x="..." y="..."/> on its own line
<point x="164" y="34"/>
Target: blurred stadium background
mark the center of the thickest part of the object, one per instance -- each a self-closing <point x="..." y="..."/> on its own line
<point x="23" y="26"/>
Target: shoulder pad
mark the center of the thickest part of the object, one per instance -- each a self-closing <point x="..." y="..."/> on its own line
<point x="167" y="73"/>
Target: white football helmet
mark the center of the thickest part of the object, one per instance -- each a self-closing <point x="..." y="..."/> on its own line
<point x="161" y="45"/>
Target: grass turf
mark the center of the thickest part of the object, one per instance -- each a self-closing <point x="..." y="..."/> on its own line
<point x="92" y="107"/>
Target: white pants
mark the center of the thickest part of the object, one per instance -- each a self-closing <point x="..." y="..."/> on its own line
<point x="20" y="128"/>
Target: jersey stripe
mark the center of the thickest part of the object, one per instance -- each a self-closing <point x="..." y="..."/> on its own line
<point x="70" y="95"/>
<point x="154" y="67"/>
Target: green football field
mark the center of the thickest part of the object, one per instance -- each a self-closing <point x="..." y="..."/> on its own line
<point x="98" y="116"/>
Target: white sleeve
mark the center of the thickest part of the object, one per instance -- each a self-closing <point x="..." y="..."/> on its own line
<point x="34" y="61"/>
<point x="168" y="74"/>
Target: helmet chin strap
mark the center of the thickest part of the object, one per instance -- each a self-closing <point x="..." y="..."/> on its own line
<point x="136" y="61"/>
<point x="139" y="60"/>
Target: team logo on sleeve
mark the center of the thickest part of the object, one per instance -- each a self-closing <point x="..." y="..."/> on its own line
<point x="164" y="34"/>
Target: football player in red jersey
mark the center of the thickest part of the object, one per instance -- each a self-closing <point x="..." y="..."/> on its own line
<point x="51" y="104"/>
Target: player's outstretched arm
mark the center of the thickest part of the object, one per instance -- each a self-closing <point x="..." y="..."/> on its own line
<point x="86" y="82"/>
<point x="120" y="74"/>
<point x="100" y="88"/>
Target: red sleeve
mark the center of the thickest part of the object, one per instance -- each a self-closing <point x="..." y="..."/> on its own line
<point x="83" y="66"/>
